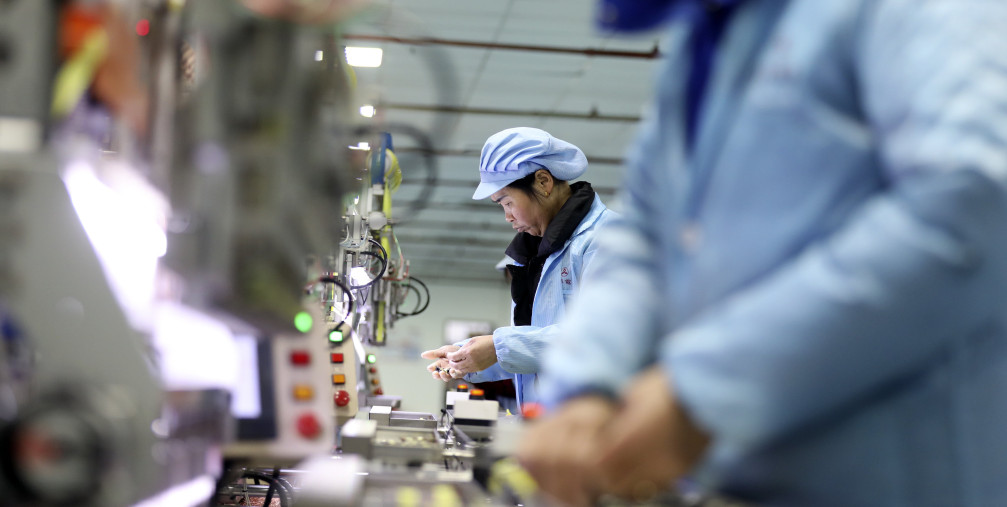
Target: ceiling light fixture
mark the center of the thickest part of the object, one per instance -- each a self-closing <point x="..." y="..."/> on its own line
<point x="367" y="111"/>
<point x="363" y="57"/>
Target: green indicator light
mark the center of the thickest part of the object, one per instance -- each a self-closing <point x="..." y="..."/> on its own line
<point x="336" y="336"/>
<point x="371" y="358"/>
<point x="303" y="322"/>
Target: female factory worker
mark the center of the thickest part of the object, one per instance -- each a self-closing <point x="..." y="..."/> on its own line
<point x="525" y="170"/>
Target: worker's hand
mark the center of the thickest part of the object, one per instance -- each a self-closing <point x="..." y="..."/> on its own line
<point x="477" y="354"/>
<point x="439" y="368"/>
<point x="561" y="452"/>
<point x="651" y="442"/>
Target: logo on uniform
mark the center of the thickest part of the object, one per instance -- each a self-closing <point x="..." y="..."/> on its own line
<point x="564" y="274"/>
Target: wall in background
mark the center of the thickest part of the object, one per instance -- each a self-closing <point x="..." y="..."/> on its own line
<point x="402" y="371"/>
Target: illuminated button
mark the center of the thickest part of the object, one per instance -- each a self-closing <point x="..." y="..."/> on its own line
<point x="335" y="336"/>
<point x="371" y="358"/>
<point x="303" y="322"/>
<point x="373" y="370"/>
<point x="300" y="358"/>
<point x="476" y="394"/>
<point x="379" y="391"/>
<point x="308" y="426"/>
<point x="342" y="398"/>
<point x="374" y="381"/>
<point x="339" y="378"/>
<point x="337" y="357"/>
<point x="303" y="392"/>
<point x="463" y="387"/>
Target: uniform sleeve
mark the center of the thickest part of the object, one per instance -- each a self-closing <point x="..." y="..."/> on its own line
<point x="491" y="374"/>
<point x="520" y="349"/>
<point x="919" y="270"/>
<point x="612" y="323"/>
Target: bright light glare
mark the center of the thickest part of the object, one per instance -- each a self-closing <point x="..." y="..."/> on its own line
<point x="125" y="230"/>
<point x="363" y="57"/>
<point x="359" y="276"/>
<point x="362" y="145"/>
<point x="319" y="55"/>
<point x="367" y="111"/>
<point x="198" y="351"/>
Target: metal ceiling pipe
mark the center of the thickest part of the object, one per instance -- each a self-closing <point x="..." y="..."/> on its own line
<point x="609" y="53"/>
<point x="591" y="115"/>
<point x="475" y="153"/>
<point x="456" y="183"/>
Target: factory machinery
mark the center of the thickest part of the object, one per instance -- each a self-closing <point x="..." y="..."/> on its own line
<point x="195" y="265"/>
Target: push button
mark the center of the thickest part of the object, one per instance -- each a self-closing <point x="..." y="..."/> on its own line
<point x="342" y="398"/>
<point x="308" y="426"/>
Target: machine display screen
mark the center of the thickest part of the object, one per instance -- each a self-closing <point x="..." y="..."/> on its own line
<point x="253" y="405"/>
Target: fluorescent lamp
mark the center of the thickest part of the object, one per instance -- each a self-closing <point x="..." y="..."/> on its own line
<point x="319" y="55"/>
<point x="367" y="111"/>
<point x="363" y="57"/>
<point x="362" y="145"/>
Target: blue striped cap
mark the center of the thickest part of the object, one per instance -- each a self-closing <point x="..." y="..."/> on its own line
<point x="512" y="154"/>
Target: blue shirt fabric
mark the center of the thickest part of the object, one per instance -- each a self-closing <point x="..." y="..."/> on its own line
<point x="519" y="348"/>
<point x="824" y="277"/>
<point x="706" y="19"/>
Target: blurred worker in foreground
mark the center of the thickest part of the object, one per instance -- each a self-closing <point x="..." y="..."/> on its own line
<point x="804" y="301"/>
<point x="526" y="170"/>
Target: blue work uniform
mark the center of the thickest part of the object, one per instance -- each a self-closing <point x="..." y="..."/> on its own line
<point x="519" y="348"/>
<point x="823" y="275"/>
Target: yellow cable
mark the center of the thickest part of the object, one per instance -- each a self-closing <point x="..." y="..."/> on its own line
<point x="77" y="73"/>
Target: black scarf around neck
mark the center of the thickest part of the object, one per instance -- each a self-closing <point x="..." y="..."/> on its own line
<point x="532" y="251"/>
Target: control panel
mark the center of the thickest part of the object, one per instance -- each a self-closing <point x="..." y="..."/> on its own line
<point x="342" y="362"/>
<point x="291" y="417"/>
<point x="372" y="381"/>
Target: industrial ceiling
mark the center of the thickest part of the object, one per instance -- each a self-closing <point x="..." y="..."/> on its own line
<point x="461" y="70"/>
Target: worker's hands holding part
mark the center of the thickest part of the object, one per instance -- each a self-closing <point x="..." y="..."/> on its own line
<point x="638" y="451"/>
<point x="477" y="354"/>
<point x="440" y="368"/>
<point x="652" y="442"/>
<point x="561" y="452"/>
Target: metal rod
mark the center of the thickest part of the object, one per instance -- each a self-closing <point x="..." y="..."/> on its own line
<point x="641" y="55"/>
<point x="592" y="115"/>
<point x="593" y="160"/>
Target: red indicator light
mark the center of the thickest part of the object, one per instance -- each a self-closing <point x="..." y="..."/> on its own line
<point x="143" y="27"/>
<point x="300" y="357"/>
<point x="337" y="357"/>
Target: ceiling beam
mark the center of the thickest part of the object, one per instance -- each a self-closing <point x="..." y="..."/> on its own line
<point x="592" y="115"/>
<point x="593" y="160"/>
<point x="452" y="241"/>
<point x="456" y="183"/>
<point x="425" y="260"/>
<point x="423" y="41"/>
